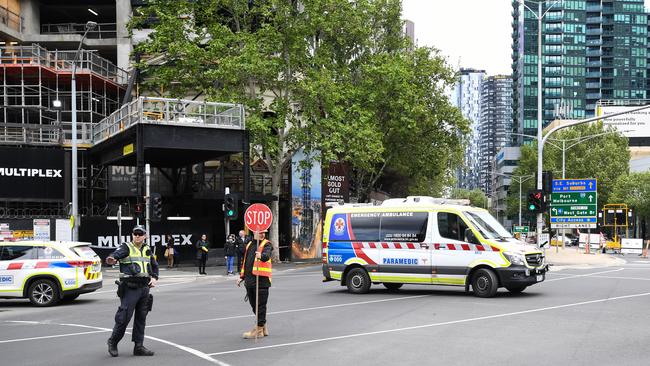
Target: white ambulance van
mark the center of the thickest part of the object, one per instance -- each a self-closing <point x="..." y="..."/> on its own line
<point x="47" y="272"/>
<point x="425" y="240"/>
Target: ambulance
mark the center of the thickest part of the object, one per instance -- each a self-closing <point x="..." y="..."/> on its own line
<point x="425" y="240"/>
<point x="48" y="272"/>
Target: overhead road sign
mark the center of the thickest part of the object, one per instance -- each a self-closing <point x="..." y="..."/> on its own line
<point x="574" y="203"/>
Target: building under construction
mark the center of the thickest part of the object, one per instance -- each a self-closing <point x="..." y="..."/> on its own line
<point x="196" y="149"/>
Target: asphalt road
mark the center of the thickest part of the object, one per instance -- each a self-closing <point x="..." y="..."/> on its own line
<point x="577" y="317"/>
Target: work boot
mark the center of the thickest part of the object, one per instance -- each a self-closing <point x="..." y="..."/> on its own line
<point x="112" y="348"/>
<point x="140" y="350"/>
<point x="257" y="332"/>
<point x="265" y="330"/>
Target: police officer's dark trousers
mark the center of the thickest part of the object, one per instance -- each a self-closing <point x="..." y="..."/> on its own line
<point x="264" y="297"/>
<point x="134" y="300"/>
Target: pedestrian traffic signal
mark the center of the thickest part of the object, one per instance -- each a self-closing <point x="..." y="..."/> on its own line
<point x="536" y="201"/>
<point x="230" y="207"/>
<point x="156" y="206"/>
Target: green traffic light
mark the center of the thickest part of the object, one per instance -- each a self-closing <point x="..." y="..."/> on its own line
<point x="531" y="207"/>
<point x="231" y="212"/>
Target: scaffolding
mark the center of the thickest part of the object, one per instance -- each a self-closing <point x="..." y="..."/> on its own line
<point x="32" y="78"/>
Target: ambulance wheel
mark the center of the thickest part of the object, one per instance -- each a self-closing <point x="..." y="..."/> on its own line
<point x="358" y="281"/>
<point x="392" y="286"/>
<point x="485" y="283"/>
<point x="43" y="293"/>
<point x="516" y="289"/>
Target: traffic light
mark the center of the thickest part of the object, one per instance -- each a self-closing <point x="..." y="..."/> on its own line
<point x="536" y="201"/>
<point x="230" y="207"/>
<point x="156" y="206"/>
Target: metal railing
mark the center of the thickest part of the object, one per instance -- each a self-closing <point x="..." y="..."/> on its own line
<point x="165" y="111"/>
<point x="11" y="19"/>
<point x="87" y="61"/>
<point x="19" y="133"/>
<point x="102" y="31"/>
<point x="84" y="132"/>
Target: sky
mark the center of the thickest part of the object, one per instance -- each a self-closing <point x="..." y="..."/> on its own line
<point x="470" y="33"/>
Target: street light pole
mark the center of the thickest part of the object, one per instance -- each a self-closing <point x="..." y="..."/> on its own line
<point x="75" y="178"/>
<point x="519" y="179"/>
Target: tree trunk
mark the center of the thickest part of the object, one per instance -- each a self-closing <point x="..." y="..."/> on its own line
<point x="276" y="187"/>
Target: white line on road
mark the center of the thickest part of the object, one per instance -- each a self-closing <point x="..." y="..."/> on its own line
<point x="460" y="321"/>
<point x="584" y="275"/>
<point x="104" y="330"/>
<point x="289" y="311"/>
<point x="624" y="278"/>
<point x="157" y="286"/>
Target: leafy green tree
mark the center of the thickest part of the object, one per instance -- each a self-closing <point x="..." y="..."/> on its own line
<point x="634" y="190"/>
<point x="333" y="77"/>
<point x="605" y="158"/>
<point x="476" y="197"/>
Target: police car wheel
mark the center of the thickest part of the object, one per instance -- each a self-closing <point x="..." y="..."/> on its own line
<point x="43" y="293"/>
<point x="485" y="283"/>
<point x="516" y="289"/>
<point x="392" y="286"/>
<point x="358" y="281"/>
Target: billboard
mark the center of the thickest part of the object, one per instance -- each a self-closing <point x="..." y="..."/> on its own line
<point x="306" y="217"/>
<point x="631" y="125"/>
<point x="32" y="174"/>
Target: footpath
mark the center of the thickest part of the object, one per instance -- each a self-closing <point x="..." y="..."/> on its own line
<point x="573" y="257"/>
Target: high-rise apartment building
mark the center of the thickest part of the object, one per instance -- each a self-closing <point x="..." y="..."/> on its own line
<point x="495" y="124"/>
<point x="591" y="50"/>
<point x="467" y="97"/>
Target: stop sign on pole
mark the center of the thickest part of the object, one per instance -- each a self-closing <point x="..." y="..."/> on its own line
<point x="258" y="217"/>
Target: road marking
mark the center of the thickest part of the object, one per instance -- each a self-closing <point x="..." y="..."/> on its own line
<point x="624" y="278"/>
<point x="289" y="311"/>
<point x="50" y="336"/>
<point x="460" y="321"/>
<point x="584" y="275"/>
<point x="104" y="330"/>
<point x="157" y="286"/>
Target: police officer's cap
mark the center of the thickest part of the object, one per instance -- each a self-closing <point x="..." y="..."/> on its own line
<point x="139" y="229"/>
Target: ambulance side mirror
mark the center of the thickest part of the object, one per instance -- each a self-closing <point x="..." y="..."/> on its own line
<point x="470" y="237"/>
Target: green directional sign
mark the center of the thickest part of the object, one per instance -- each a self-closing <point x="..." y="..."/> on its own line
<point x="574" y="203"/>
<point x="577" y="210"/>
<point x="574" y="198"/>
<point x="520" y="229"/>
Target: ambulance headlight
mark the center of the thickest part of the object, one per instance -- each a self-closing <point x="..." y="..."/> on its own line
<point x="515" y="258"/>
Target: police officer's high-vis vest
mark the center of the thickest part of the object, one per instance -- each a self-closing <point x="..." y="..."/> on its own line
<point x="138" y="263"/>
<point x="260" y="268"/>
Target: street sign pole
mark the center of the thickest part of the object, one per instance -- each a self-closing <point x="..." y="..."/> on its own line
<point x="119" y="224"/>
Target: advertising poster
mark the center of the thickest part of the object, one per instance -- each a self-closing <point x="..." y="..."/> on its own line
<point x="34" y="174"/>
<point x="41" y="229"/>
<point x="336" y="187"/>
<point x="306" y="220"/>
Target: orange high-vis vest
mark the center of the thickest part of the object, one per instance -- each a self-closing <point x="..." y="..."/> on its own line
<point x="260" y="268"/>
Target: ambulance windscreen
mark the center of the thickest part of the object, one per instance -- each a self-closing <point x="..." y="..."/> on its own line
<point x="489" y="227"/>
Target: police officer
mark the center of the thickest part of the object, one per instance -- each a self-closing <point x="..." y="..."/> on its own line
<point x="138" y="272"/>
<point x="256" y="274"/>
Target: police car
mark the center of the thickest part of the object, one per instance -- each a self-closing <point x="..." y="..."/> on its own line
<point x="47" y="272"/>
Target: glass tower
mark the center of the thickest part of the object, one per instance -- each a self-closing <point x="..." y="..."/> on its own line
<point x="591" y="50"/>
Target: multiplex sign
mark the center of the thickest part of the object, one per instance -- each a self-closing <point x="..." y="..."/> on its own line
<point x="113" y="241"/>
<point x="32" y="174"/>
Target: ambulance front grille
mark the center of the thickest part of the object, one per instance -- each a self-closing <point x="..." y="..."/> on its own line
<point x="535" y="259"/>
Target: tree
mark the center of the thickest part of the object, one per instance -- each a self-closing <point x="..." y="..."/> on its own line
<point x="476" y="197"/>
<point x="605" y="158"/>
<point x="634" y="190"/>
<point x="312" y="75"/>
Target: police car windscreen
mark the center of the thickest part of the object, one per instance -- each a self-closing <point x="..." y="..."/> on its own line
<point x="84" y="252"/>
